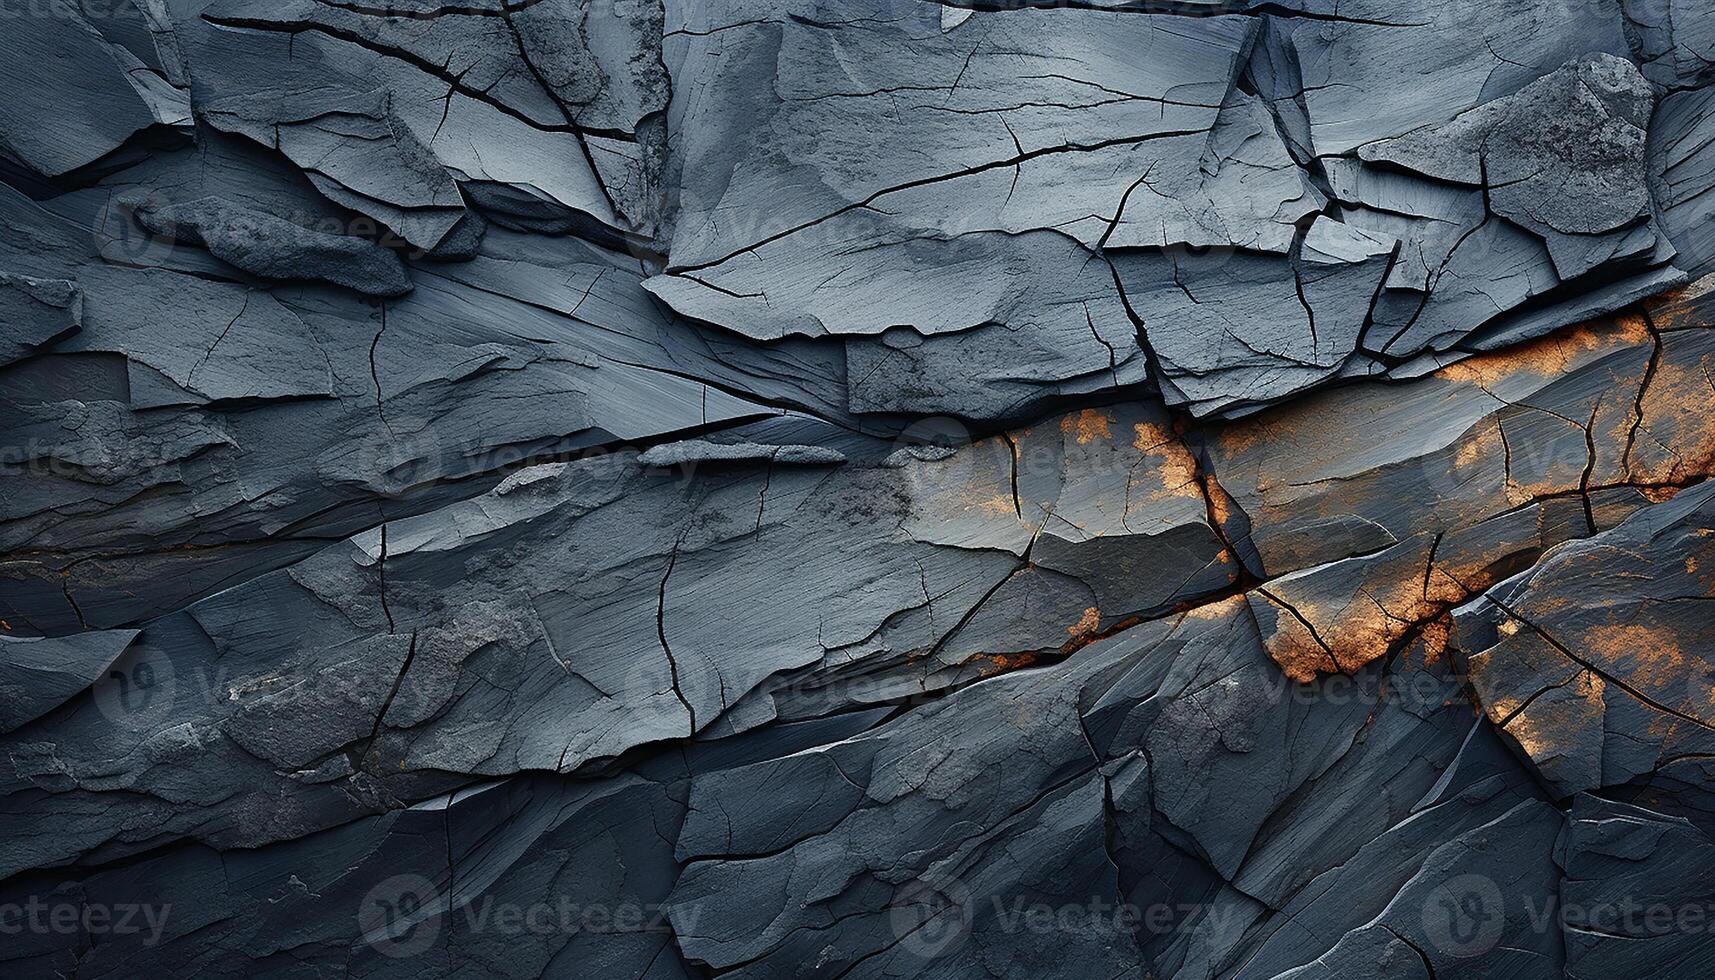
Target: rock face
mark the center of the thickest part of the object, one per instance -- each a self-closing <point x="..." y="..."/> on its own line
<point x="1213" y="490"/>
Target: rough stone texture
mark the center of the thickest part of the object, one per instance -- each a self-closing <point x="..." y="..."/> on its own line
<point x="259" y="243"/>
<point x="1211" y="490"/>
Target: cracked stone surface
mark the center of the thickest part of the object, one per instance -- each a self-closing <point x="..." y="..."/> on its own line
<point x="1210" y="490"/>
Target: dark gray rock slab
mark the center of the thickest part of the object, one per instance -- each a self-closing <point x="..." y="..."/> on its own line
<point x="38" y="674"/>
<point x="264" y="245"/>
<point x="35" y="313"/>
<point x="1596" y="663"/>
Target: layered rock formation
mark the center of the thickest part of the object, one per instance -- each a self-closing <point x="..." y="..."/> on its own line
<point x="652" y="488"/>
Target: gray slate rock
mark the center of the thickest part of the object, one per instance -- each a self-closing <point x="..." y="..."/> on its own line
<point x="267" y="246"/>
<point x="1211" y="490"/>
<point x="36" y="313"/>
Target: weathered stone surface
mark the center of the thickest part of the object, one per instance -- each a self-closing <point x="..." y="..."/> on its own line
<point x="38" y="674"/>
<point x="264" y="245"/>
<point x="1211" y="490"/>
<point x="34" y="313"/>
<point x="1597" y="662"/>
<point x="76" y="94"/>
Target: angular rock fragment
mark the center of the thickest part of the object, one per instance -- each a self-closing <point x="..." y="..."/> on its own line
<point x="1671" y="41"/>
<point x="1596" y="662"/>
<point x="75" y="95"/>
<point x="355" y="151"/>
<point x="1564" y="155"/>
<point x="1351" y="62"/>
<point x="34" y="313"/>
<point x="1245" y="192"/>
<point x="1237" y="331"/>
<point x="554" y="103"/>
<point x="694" y="451"/>
<point x="1426" y="493"/>
<point x="1682" y="173"/>
<point x="38" y="674"/>
<point x="260" y="243"/>
<point x="1633" y="881"/>
<point x="1122" y="496"/>
<point x="905" y="245"/>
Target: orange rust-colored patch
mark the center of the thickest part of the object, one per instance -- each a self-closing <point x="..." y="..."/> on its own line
<point x="1676" y="414"/>
<point x="1524" y="730"/>
<point x="1089" y="623"/>
<point x="1172" y="473"/>
<point x="998" y="505"/>
<point x="1657" y="658"/>
<point x="1538" y="737"/>
<point x="1220" y="503"/>
<point x="1363" y="627"/>
<point x="1360" y="633"/>
<point x="1550" y="356"/>
<point x="1211" y="610"/>
<point x="1434" y="639"/>
<point x="993" y="664"/>
<point x="1087" y="426"/>
<point x="1262" y="429"/>
<point x="1469" y="451"/>
<point x="1179" y="472"/>
<point x="1396" y="600"/>
<point x="1080" y="641"/>
<point x="1302" y="660"/>
<point x="1147" y="435"/>
<point x="1298" y="652"/>
<point x="1677" y="307"/>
